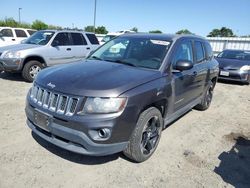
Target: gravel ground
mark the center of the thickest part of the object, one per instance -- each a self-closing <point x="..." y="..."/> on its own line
<point x="201" y="149"/>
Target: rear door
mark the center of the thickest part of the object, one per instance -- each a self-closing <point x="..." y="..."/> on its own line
<point x="201" y="68"/>
<point x="79" y="46"/>
<point x="184" y="82"/>
<point x="7" y="37"/>
<point x="60" y="51"/>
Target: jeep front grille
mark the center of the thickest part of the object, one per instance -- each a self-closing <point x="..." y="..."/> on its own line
<point x="55" y="102"/>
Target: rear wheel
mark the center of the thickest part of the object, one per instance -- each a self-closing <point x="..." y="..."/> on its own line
<point x="207" y="97"/>
<point x="31" y="69"/>
<point x="146" y="135"/>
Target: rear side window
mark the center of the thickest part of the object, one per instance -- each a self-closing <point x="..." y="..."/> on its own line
<point x="31" y="31"/>
<point x="200" y="56"/>
<point x="184" y="52"/>
<point x="61" y="39"/>
<point x="6" y="33"/>
<point x="20" y="33"/>
<point x="78" y="39"/>
<point x="209" y="51"/>
<point x="92" y="38"/>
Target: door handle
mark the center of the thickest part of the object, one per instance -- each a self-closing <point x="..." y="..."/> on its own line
<point x="68" y="49"/>
<point x="88" y="48"/>
<point x="13" y="39"/>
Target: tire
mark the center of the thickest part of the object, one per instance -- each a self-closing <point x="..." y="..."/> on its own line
<point x="146" y="135"/>
<point x="207" y="97"/>
<point x="31" y="69"/>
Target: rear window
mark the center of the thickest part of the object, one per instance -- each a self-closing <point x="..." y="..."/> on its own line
<point x="20" y="33"/>
<point x="6" y="33"/>
<point x="31" y="31"/>
<point x="200" y="56"/>
<point x="92" y="38"/>
<point x="78" y="39"/>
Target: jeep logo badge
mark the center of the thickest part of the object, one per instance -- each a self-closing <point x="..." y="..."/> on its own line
<point x="51" y="85"/>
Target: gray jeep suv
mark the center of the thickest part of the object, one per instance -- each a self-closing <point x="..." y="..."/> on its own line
<point x="123" y="95"/>
<point x="46" y="48"/>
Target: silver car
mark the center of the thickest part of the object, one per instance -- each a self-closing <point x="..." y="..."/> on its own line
<point x="46" y="48"/>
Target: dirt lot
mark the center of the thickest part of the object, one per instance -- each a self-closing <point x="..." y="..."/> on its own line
<point x="201" y="149"/>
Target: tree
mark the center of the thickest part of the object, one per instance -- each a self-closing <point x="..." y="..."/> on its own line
<point x="54" y="27"/>
<point x="155" y="31"/>
<point x="223" y="32"/>
<point x="101" y="30"/>
<point x="184" y="31"/>
<point x="135" y="29"/>
<point x="9" y="22"/>
<point x="39" y="25"/>
<point x="89" y="28"/>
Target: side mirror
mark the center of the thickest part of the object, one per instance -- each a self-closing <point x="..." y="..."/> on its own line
<point x="55" y="43"/>
<point x="182" y="65"/>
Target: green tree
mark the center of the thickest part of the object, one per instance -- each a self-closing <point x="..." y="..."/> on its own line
<point x="54" y="27"/>
<point x="100" y="30"/>
<point x="223" y="32"/>
<point x="9" y="22"/>
<point x="135" y="29"/>
<point x="39" y="25"/>
<point x="184" y="31"/>
<point x="155" y="31"/>
<point x="89" y="28"/>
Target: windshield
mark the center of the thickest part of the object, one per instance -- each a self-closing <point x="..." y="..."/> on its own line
<point x="240" y="55"/>
<point x="40" y="38"/>
<point x="133" y="51"/>
<point x="108" y="38"/>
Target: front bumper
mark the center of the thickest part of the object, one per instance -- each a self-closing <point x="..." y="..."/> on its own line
<point x="11" y="65"/>
<point x="235" y="75"/>
<point x="74" y="133"/>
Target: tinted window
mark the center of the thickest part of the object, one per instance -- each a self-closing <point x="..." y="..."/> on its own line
<point x="78" y="39"/>
<point x="61" y="39"/>
<point x="209" y="51"/>
<point x="31" y="31"/>
<point x="184" y="52"/>
<point x="199" y="51"/>
<point x="92" y="38"/>
<point x="235" y="54"/>
<point x="20" y="33"/>
<point x="7" y="33"/>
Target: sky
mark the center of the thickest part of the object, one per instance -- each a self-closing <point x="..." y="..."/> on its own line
<point x="169" y="16"/>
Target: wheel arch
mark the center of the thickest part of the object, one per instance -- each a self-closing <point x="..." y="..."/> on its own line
<point x="36" y="58"/>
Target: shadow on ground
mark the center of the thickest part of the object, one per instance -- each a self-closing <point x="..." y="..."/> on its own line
<point x="11" y="76"/>
<point x="74" y="157"/>
<point x="234" y="167"/>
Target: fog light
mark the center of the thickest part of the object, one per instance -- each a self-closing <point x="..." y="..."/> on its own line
<point x="104" y="133"/>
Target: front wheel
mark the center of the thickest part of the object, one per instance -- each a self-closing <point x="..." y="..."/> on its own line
<point x="146" y="136"/>
<point x="31" y="69"/>
<point x="207" y="97"/>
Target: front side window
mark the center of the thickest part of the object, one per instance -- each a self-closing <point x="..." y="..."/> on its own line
<point x="61" y="39"/>
<point x="78" y="39"/>
<point x="133" y="51"/>
<point x="184" y="52"/>
<point x="6" y="33"/>
<point x="20" y="33"/>
<point x="200" y="56"/>
<point x="40" y="37"/>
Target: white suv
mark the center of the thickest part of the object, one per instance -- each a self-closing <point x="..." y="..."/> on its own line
<point x="10" y="36"/>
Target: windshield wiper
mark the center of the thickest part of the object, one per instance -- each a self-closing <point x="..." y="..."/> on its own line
<point x="95" y="57"/>
<point x="121" y="62"/>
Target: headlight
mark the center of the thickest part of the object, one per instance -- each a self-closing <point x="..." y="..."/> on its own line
<point x="245" y="68"/>
<point x="97" y="105"/>
<point x="12" y="55"/>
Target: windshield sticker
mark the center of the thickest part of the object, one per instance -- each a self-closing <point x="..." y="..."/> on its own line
<point x="160" y="42"/>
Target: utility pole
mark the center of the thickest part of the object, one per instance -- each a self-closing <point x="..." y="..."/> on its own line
<point x="94" y="15"/>
<point x="19" y="15"/>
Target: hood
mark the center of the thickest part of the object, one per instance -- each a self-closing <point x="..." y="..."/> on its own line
<point x="95" y="78"/>
<point x="18" y="47"/>
<point x="231" y="63"/>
